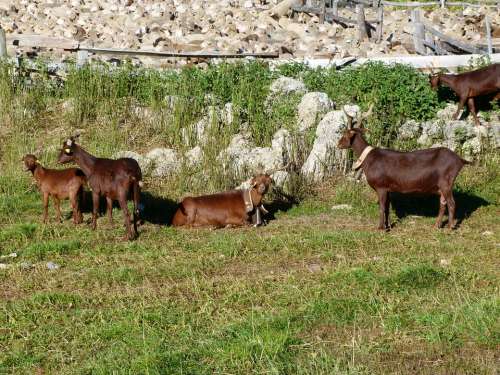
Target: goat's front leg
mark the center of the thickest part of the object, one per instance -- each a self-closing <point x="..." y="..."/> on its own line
<point x="95" y="209"/>
<point x="472" y="109"/>
<point x="109" y="202"/>
<point x="126" y="214"/>
<point x="45" y="207"/>
<point x="57" y="205"/>
<point x="382" y="201"/>
<point x="461" y="104"/>
<point x="73" y="198"/>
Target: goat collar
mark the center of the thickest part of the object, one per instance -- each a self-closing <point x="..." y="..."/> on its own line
<point x="249" y="205"/>
<point x="362" y="157"/>
<point x="247" y="197"/>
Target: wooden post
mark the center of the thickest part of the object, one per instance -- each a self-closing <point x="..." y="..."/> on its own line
<point x="322" y="11"/>
<point x="418" y="32"/>
<point x="442" y="3"/>
<point x="335" y="9"/>
<point x="362" y="32"/>
<point x="3" y="44"/>
<point x="380" y="18"/>
<point x="81" y="57"/>
<point x="488" y="35"/>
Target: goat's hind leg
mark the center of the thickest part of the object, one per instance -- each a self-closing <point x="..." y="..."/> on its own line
<point x="383" y="201"/>
<point x="451" y="209"/>
<point x="442" y="209"/>
<point x="126" y="214"/>
<point x="109" y="210"/>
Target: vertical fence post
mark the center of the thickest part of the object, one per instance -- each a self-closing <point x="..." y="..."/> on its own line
<point x="3" y="44"/>
<point x="380" y="24"/>
<point x="362" y="32"/>
<point x="418" y="32"/>
<point x="81" y="58"/>
<point x="488" y="35"/>
<point x="443" y="3"/>
<point x="335" y="9"/>
<point x="322" y="11"/>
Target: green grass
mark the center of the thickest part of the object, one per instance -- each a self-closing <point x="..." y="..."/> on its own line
<point x="317" y="291"/>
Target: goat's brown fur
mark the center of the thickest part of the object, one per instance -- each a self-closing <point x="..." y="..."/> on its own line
<point x="114" y="179"/>
<point x="58" y="184"/>
<point x="424" y="171"/>
<point x="469" y="85"/>
<point x="221" y="209"/>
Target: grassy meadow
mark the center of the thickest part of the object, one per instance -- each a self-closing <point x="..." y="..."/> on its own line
<point x="316" y="291"/>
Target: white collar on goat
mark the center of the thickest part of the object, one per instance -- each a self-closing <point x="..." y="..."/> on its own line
<point x="247" y="197"/>
<point x="362" y="157"/>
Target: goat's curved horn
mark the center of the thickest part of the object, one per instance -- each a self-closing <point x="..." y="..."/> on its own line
<point x="349" y="118"/>
<point x="364" y="116"/>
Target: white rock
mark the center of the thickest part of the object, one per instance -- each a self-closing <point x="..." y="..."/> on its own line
<point x="409" y="130"/>
<point x="280" y="178"/>
<point x="344" y="206"/>
<point x="52" y="266"/>
<point x="164" y="162"/>
<point x="325" y="156"/>
<point x="194" y="156"/>
<point x="286" y="86"/>
<point x="311" y="108"/>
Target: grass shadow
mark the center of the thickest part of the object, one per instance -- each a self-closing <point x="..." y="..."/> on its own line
<point x="428" y="205"/>
<point x="282" y="202"/>
<point x="157" y="210"/>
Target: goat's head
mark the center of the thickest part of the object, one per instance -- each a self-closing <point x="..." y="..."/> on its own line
<point x="30" y="162"/>
<point x="261" y="183"/>
<point x="66" y="154"/>
<point x="434" y="80"/>
<point x="351" y="132"/>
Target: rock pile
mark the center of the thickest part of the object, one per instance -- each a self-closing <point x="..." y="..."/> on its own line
<point x="227" y="25"/>
<point x="315" y="113"/>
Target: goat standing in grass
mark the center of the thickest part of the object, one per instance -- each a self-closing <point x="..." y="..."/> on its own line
<point x="469" y="85"/>
<point x="430" y="171"/>
<point x="59" y="184"/>
<point x="114" y="179"/>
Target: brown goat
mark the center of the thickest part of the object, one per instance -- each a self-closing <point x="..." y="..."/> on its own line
<point x="230" y="208"/>
<point x="470" y="85"/>
<point x="430" y="171"/>
<point x="114" y="179"/>
<point x="60" y="184"/>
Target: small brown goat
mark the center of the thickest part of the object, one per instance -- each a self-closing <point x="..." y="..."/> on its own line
<point x="114" y="179"/>
<point x="430" y="171"/>
<point x="60" y="184"/>
<point x="230" y="208"/>
<point x="470" y="85"/>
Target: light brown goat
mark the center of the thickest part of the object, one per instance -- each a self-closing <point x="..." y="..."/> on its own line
<point x="60" y="184"/>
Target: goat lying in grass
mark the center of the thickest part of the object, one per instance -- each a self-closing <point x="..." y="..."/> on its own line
<point x="430" y="171"/>
<point x="470" y="85"/>
<point x="115" y="179"/>
<point x="230" y="208"/>
<point x="59" y="184"/>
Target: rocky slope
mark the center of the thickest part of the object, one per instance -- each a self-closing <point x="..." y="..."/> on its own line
<point x="226" y="26"/>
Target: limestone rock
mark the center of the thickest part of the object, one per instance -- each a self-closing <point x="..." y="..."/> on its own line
<point x="311" y="108"/>
<point x="286" y="86"/>
<point x="164" y="162"/>
<point x="325" y="156"/>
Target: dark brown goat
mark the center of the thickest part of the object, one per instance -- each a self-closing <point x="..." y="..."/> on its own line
<point x="430" y="171"/>
<point x="59" y="184"/>
<point x="230" y="208"/>
<point x="114" y="179"/>
<point x="470" y="85"/>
